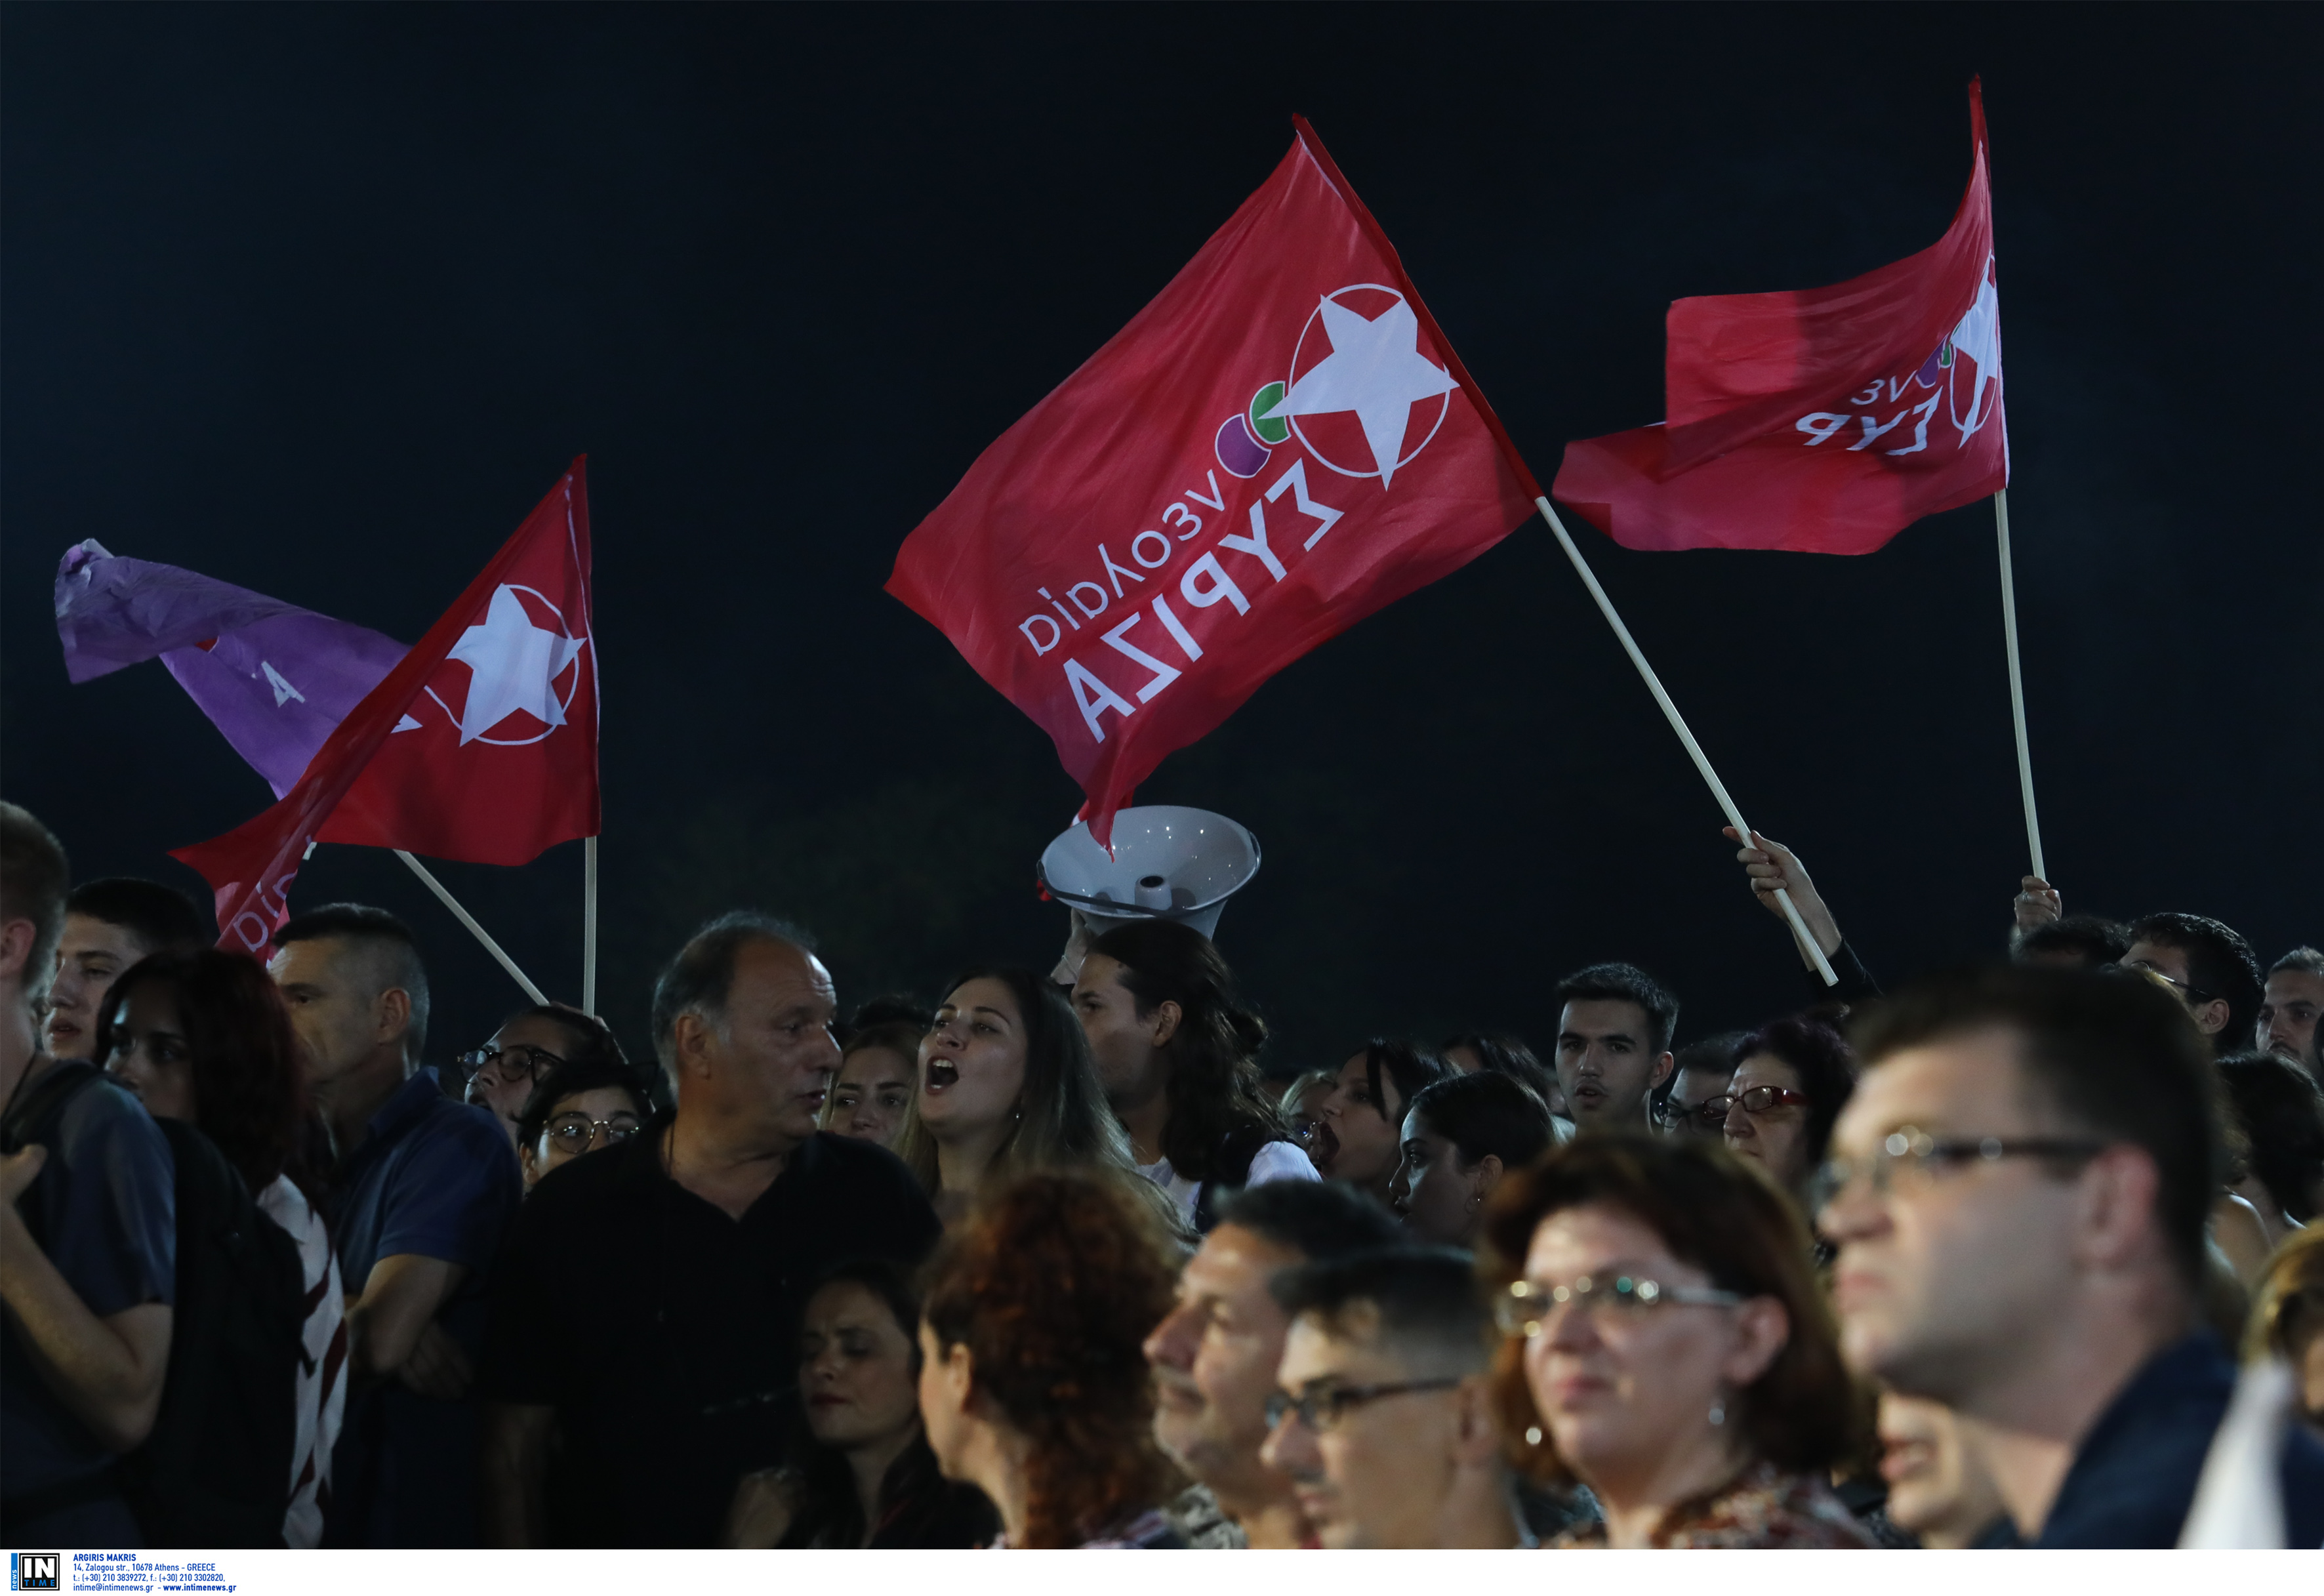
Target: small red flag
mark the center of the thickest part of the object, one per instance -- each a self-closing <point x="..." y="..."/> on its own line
<point x="1824" y="421"/>
<point x="480" y="746"/>
<point x="1280" y="444"/>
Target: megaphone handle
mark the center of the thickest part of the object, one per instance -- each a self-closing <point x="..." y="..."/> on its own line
<point x="1678" y="724"/>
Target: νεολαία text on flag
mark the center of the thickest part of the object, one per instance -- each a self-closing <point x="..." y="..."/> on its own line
<point x="274" y="678"/>
<point x="1824" y="421"/>
<point x="480" y="746"/>
<point x="1281" y="443"/>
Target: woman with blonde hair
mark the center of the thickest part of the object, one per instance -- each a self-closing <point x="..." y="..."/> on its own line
<point x="1008" y="1086"/>
<point x="2287" y="1317"/>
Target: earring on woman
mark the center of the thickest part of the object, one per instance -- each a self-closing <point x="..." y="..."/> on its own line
<point x="1718" y="1409"/>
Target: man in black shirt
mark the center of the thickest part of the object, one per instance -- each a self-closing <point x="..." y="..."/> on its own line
<point x="644" y="1316"/>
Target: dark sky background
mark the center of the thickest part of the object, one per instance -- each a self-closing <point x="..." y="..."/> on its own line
<point x="320" y="300"/>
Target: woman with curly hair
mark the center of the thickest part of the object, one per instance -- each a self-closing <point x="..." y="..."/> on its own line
<point x="1033" y="1381"/>
<point x="1006" y="1086"/>
<point x="1178" y="1054"/>
<point x="204" y="1037"/>
<point x="1666" y="1345"/>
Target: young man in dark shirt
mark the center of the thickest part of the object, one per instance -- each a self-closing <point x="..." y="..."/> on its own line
<point x="2019" y="1193"/>
<point x="88" y="1264"/>
<point x="645" y="1312"/>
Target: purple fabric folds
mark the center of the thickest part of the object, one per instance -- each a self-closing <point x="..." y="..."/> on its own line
<point x="275" y="678"/>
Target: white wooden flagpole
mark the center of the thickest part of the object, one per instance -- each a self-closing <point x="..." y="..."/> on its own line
<point x="589" y="925"/>
<point x="2016" y="681"/>
<point x="469" y="920"/>
<point x="1678" y="724"/>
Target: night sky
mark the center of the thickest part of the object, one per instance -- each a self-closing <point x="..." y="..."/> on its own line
<point x="320" y="300"/>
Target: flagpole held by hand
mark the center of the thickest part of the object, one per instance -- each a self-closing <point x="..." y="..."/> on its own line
<point x="469" y="920"/>
<point x="1678" y="724"/>
<point x="589" y="925"/>
<point x="2016" y="681"/>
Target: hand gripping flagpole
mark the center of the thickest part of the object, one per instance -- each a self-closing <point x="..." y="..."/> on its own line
<point x="589" y="925"/>
<point x="1678" y="724"/>
<point x="2016" y="681"/>
<point x="469" y="920"/>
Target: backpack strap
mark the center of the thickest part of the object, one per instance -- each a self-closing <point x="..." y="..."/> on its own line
<point x="33" y="1117"/>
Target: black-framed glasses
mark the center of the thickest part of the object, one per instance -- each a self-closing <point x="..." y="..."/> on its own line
<point x="517" y="1060"/>
<point x="1707" y="1118"/>
<point x="1758" y="1100"/>
<point x="1320" y="1407"/>
<point x="577" y="1133"/>
<point x="1523" y="1309"/>
<point x="1908" y="1158"/>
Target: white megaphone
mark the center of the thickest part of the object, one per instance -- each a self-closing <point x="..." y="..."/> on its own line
<point x="1169" y="863"/>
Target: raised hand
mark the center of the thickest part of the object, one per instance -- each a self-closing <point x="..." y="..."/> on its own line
<point x="2038" y="904"/>
<point x="1772" y="868"/>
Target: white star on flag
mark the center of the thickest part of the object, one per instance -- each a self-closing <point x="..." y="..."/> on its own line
<point x="1375" y="369"/>
<point x="513" y="665"/>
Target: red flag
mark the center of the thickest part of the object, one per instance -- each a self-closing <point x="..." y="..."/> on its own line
<point x="1824" y="421"/>
<point x="481" y="745"/>
<point x="1280" y="444"/>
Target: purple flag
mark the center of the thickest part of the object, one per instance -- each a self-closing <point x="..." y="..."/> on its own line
<point x="275" y="678"/>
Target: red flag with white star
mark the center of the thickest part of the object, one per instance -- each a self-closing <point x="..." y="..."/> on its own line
<point x="1280" y="444"/>
<point x="480" y="746"/>
<point x="1824" y="421"/>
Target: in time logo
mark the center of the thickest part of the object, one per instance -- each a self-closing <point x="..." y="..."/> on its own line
<point x="34" y="1570"/>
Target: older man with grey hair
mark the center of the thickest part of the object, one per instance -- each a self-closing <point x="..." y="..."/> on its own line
<point x="421" y="1191"/>
<point x="646" y="1310"/>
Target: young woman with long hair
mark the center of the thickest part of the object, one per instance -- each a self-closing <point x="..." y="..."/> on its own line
<point x="860" y="1473"/>
<point x="1008" y="1086"/>
<point x="205" y="1037"/>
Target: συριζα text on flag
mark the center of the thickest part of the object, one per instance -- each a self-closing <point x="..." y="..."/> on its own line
<point x="1823" y="420"/>
<point x="1281" y="443"/>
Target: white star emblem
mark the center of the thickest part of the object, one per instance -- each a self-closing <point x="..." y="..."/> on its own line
<point x="1375" y="369"/>
<point x="513" y="665"/>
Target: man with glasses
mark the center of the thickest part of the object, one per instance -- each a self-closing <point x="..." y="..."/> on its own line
<point x="501" y="1074"/>
<point x="1383" y="1417"/>
<point x="2018" y="1196"/>
<point x="2206" y="967"/>
<point x="1696" y="1104"/>
<point x="1215" y="1356"/>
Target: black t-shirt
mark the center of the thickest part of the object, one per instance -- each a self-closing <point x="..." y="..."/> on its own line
<point x="663" y="1332"/>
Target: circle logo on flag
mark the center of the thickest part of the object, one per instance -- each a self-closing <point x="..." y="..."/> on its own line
<point x="1361" y="397"/>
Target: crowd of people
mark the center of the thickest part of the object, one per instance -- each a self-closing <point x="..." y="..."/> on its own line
<point x="1054" y="1262"/>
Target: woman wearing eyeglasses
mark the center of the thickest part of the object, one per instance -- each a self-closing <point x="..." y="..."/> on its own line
<point x="1665" y="1344"/>
<point x="577" y="1109"/>
<point x="1794" y="1077"/>
<point x="502" y="1074"/>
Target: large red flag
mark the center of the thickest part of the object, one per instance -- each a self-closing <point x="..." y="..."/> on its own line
<point x="1824" y="421"/>
<point x="480" y="746"/>
<point x="1280" y="444"/>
